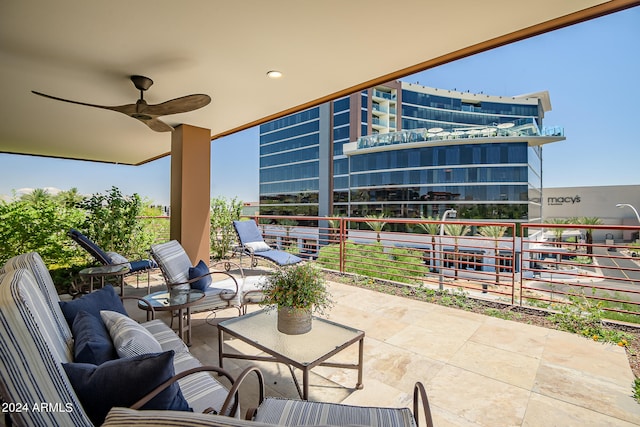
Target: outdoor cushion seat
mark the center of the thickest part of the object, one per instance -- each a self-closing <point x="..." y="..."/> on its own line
<point x="37" y="340"/>
<point x="286" y="412"/>
<point x="290" y="412"/>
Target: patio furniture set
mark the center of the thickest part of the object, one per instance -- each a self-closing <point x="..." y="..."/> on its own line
<point x="85" y="362"/>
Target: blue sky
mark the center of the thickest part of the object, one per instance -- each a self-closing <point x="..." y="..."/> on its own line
<point x="591" y="71"/>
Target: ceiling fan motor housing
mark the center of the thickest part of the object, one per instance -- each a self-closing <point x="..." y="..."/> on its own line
<point x="141" y="82"/>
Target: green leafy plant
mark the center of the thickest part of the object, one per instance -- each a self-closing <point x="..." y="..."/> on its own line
<point x="376" y="224"/>
<point x="299" y="286"/>
<point x="38" y="224"/>
<point x="222" y="234"/>
<point x="584" y="317"/>
<point x="112" y="222"/>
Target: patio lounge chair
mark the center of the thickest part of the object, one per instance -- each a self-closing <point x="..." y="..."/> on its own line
<point x="252" y="244"/>
<point x="178" y="272"/>
<point x="112" y="258"/>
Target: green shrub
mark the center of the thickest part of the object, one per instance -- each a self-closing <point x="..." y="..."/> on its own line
<point x="222" y="234"/>
<point x="372" y="260"/>
<point x="112" y="223"/>
<point x="38" y="225"/>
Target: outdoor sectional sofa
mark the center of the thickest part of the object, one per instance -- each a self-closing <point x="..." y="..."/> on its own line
<point x="37" y="350"/>
<point x="42" y="384"/>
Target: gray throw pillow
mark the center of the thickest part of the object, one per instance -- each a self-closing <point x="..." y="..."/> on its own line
<point x="129" y="338"/>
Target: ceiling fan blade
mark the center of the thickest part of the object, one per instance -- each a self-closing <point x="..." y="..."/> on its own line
<point x="128" y="109"/>
<point x="178" y="105"/>
<point x="157" y="125"/>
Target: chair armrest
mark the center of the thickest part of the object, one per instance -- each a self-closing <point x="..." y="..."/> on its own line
<point x="150" y="307"/>
<point x="420" y="393"/>
<point x="233" y="392"/>
<point x="195" y="279"/>
<point x="153" y="393"/>
<point x="234" y="389"/>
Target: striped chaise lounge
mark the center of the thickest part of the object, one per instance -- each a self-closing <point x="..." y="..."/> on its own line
<point x="35" y="342"/>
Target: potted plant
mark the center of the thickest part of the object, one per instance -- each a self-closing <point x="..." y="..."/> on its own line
<point x="297" y="291"/>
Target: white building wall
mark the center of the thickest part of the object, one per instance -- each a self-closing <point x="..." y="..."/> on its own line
<point x="600" y="202"/>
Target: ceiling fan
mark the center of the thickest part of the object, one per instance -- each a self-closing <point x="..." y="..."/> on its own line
<point x="148" y="114"/>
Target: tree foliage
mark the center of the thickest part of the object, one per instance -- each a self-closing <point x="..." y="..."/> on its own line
<point x="38" y="224"/>
<point x="223" y="213"/>
<point x="112" y="222"/>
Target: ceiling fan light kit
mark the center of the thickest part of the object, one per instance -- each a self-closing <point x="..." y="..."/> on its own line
<point x="148" y="114"/>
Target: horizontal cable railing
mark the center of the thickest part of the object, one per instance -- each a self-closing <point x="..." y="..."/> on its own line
<point x="551" y="266"/>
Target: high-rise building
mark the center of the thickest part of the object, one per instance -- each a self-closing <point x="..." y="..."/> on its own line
<point x="405" y="150"/>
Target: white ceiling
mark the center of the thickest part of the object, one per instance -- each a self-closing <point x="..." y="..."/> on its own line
<point x="86" y="51"/>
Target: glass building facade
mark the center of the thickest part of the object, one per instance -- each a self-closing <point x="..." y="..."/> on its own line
<point x="408" y="151"/>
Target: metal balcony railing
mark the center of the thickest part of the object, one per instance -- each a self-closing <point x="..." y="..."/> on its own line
<point x="552" y="265"/>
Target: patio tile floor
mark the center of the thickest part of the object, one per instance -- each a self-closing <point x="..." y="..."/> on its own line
<point x="477" y="370"/>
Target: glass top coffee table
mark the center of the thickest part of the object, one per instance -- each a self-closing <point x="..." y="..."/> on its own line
<point x="304" y="351"/>
<point x="178" y="300"/>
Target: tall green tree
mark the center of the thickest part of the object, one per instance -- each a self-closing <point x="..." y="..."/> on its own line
<point x="589" y="220"/>
<point x="70" y="198"/>
<point x="557" y="231"/>
<point x="37" y="195"/>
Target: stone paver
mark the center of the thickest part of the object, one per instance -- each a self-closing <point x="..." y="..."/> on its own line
<point x="477" y="370"/>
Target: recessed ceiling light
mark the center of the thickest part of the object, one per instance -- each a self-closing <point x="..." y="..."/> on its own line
<point x="274" y="74"/>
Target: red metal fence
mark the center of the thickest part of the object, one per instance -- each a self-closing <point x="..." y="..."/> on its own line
<point x="553" y="264"/>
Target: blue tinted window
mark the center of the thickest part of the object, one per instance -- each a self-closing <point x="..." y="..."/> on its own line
<point x="289" y="187"/>
<point x="340" y="166"/>
<point x="341" y="133"/>
<point x="293" y="119"/>
<point x="442" y="175"/>
<point x="341" y="104"/>
<point x="341" y="182"/>
<point x="445" y="102"/>
<point x="290" y="157"/>
<point x="290" y="132"/>
<point x="290" y="172"/>
<point x="341" y="119"/>
<point x="441" y="156"/>
<point x="483" y="193"/>
<point x="290" y="144"/>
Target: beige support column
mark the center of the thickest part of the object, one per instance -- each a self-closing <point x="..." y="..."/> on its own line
<point x="190" y="190"/>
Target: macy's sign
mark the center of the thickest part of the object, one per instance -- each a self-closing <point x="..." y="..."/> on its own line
<point x="562" y="200"/>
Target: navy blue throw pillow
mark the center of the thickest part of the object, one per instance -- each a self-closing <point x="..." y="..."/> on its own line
<point x="101" y="299"/>
<point x="122" y="382"/>
<point x="91" y="340"/>
<point x="200" y="270"/>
